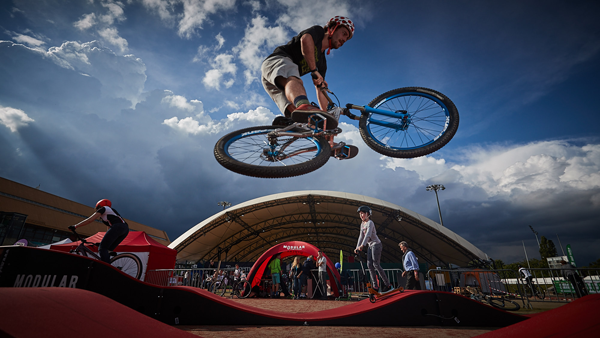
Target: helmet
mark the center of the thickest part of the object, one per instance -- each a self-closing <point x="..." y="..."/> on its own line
<point x="338" y="265"/>
<point x="103" y="203"/>
<point x="365" y="209"/>
<point x="336" y="21"/>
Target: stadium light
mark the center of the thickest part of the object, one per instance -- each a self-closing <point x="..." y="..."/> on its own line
<point x="224" y="204"/>
<point x="435" y="188"/>
<point x="536" y="236"/>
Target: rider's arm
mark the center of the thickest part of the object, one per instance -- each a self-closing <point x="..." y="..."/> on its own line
<point x="323" y="102"/>
<point x="360" y="239"/>
<point x="307" y="45"/>
<point x="88" y="220"/>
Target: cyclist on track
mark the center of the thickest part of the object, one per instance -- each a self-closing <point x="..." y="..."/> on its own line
<point x="368" y="237"/>
<point x="526" y="274"/>
<point x="117" y="228"/>
<point x="305" y="53"/>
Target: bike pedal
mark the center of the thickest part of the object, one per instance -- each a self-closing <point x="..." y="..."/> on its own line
<point x="345" y="153"/>
<point x="319" y="119"/>
<point x="112" y="254"/>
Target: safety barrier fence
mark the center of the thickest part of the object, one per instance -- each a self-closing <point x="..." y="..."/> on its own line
<point x="545" y="285"/>
<point x="548" y="285"/>
<point x="353" y="282"/>
<point x="185" y="277"/>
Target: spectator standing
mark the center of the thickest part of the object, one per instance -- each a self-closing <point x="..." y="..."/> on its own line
<point x="296" y="272"/>
<point x="569" y="272"/>
<point x="308" y="265"/>
<point x="411" y="267"/>
<point x="275" y="267"/>
<point x="323" y="276"/>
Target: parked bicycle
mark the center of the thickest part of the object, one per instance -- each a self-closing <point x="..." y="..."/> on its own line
<point x="241" y="288"/>
<point x="532" y="289"/>
<point x="126" y="262"/>
<point x="500" y="302"/>
<point x="403" y="123"/>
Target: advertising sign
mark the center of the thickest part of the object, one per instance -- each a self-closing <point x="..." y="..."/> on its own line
<point x="570" y="255"/>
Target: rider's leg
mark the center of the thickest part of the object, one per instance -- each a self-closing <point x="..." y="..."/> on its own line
<point x="375" y="255"/>
<point x="276" y="72"/>
<point x="113" y="237"/>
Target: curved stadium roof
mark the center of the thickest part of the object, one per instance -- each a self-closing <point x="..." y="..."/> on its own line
<point x="326" y="219"/>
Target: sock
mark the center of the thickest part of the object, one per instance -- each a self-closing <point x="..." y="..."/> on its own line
<point x="300" y="100"/>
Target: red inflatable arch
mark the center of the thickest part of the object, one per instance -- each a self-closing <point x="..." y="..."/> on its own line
<point x="294" y="248"/>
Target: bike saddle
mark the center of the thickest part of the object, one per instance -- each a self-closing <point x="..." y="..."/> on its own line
<point x="317" y="118"/>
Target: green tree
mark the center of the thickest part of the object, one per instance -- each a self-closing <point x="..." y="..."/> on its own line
<point x="547" y="249"/>
<point x="595" y="265"/>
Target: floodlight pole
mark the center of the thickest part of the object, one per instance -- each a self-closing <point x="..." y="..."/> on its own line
<point x="536" y="236"/>
<point x="435" y="188"/>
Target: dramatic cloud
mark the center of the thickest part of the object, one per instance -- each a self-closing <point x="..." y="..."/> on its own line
<point x="86" y="120"/>
<point x="251" y="49"/>
<point x="28" y="40"/>
<point x="87" y="21"/>
<point x="13" y="118"/>
<point x="121" y="76"/>
<point x="195" y="13"/>
<point x="222" y="66"/>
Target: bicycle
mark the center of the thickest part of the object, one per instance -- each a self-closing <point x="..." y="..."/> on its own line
<point x="241" y="288"/>
<point x="402" y="123"/>
<point x="532" y="289"/>
<point x="500" y="302"/>
<point x="126" y="262"/>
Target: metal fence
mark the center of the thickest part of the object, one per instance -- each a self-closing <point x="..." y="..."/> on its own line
<point x="184" y="277"/>
<point x="545" y="285"/>
<point x="551" y="284"/>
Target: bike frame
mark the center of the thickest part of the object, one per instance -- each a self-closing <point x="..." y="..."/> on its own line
<point x="84" y="250"/>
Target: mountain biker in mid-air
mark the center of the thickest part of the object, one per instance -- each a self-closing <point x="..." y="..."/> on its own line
<point x="305" y="53"/>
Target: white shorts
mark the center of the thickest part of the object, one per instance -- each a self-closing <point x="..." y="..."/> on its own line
<point x="272" y="68"/>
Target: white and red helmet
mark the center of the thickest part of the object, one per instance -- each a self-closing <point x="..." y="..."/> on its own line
<point x="103" y="203"/>
<point x="337" y="20"/>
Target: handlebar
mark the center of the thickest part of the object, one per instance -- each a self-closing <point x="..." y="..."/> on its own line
<point x="83" y="241"/>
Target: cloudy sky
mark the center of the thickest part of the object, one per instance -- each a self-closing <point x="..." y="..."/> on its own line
<point x="126" y="99"/>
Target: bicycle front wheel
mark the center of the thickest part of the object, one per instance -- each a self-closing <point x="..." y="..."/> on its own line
<point x="129" y="264"/>
<point x="504" y="304"/>
<point x="423" y="121"/>
<point x="244" y="289"/>
<point x="253" y="152"/>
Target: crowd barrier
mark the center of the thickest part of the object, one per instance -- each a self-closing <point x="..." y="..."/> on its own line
<point x="553" y="285"/>
<point x="548" y="285"/>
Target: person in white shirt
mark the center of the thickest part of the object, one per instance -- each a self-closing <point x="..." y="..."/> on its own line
<point x="368" y="238"/>
<point x="323" y="276"/>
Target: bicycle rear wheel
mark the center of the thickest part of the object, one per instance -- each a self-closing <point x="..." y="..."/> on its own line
<point x="129" y="264"/>
<point x="221" y="288"/>
<point x="430" y="123"/>
<point x="539" y="292"/>
<point x="252" y="152"/>
<point x="504" y="304"/>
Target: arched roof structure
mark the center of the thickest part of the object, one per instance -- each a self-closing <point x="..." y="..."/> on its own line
<point x="326" y="219"/>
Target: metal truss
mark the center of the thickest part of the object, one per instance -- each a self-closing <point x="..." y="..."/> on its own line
<point x="329" y="231"/>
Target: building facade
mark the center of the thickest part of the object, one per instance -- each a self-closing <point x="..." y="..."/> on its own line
<point x="42" y="218"/>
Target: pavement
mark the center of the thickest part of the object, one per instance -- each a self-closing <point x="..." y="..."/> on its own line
<point x="301" y="306"/>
